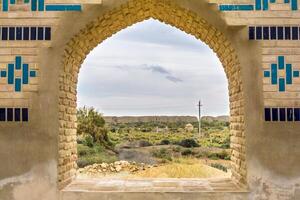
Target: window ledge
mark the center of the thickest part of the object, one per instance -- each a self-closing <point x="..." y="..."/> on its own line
<point x="90" y="189"/>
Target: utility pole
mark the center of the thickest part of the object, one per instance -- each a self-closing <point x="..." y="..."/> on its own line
<point x="199" y="105"/>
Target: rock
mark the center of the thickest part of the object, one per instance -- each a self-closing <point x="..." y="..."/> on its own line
<point x="118" y="168"/>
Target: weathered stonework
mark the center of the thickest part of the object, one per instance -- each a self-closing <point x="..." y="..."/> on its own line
<point x="39" y="143"/>
<point x="120" y="18"/>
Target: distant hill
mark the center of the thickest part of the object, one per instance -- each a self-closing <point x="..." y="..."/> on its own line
<point x="130" y="119"/>
<point x="223" y="118"/>
<point x="187" y="119"/>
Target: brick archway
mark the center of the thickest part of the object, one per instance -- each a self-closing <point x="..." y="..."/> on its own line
<point x="117" y="19"/>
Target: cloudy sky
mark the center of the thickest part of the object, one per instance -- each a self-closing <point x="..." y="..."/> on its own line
<point x="153" y="69"/>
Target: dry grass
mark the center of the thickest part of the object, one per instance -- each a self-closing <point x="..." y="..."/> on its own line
<point x="182" y="168"/>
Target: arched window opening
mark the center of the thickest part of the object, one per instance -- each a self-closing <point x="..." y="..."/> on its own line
<point x="138" y="107"/>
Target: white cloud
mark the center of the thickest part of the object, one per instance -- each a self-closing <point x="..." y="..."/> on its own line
<point x="153" y="69"/>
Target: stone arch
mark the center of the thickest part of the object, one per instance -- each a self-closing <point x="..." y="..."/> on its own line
<point x="117" y="19"/>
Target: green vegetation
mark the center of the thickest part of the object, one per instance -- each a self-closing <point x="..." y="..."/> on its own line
<point x="219" y="138"/>
<point x="165" y="143"/>
<point x="219" y="166"/>
<point x="94" y="145"/>
<point x="96" y="154"/>
<point x="152" y="137"/>
<point x="163" y="154"/>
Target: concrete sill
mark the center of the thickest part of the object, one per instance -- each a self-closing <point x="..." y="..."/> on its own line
<point x="131" y="189"/>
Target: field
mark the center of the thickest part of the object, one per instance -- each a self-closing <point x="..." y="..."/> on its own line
<point x="155" y="149"/>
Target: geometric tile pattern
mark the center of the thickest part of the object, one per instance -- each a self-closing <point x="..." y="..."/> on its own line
<point x="274" y="33"/>
<point x="25" y="33"/>
<point x="281" y="74"/>
<point x="18" y="80"/>
<point x="258" y="5"/>
<point x="39" y="5"/>
<point x="14" y="115"/>
<point x="282" y="114"/>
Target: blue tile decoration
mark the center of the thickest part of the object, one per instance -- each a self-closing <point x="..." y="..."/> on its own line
<point x="251" y="33"/>
<point x="259" y="5"/>
<point x="18" y="82"/>
<point x="267" y="74"/>
<point x="25" y="73"/>
<point x="47" y="33"/>
<point x="40" y="33"/>
<point x="274" y="114"/>
<point x="280" y="33"/>
<point x="11" y="74"/>
<point x="25" y="116"/>
<point x="19" y="33"/>
<point x="274" y="33"/>
<point x="258" y="33"/>
<point x="14" y="115"/>
<point x="18" y="62"/>
<point x="287" y="31"/>
<point x="3" y="74"/>
<point x="63" y="7"/>
<point x="4" y="33"/>
<point x="2" y="114"/>
<point x="290" y="114"/>
<point x="33" y="73"/>
<point x="282" y="114"/>
<point x="295" y="33"/>
<point x="22" y="33"/>
<point x="41" y="6"/>
<point x="9" y="114"/>
<point x="17" y="114"/>
<point x="297" y="114"/>
<point x="12" y="33"/>
<point x="5" y="5"/>
<point x="286" y="68"/>
<point x="25" y="33"/>
<point x="266" y="33"/>
<point x="231" y="7"/>
<point x="268" y="114"/>
<point x="33" y="33"/>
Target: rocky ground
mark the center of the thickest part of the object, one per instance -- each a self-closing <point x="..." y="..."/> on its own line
<point x="116" y="167"/>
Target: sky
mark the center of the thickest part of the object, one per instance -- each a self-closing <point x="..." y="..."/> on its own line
<point x="152" y="68"/>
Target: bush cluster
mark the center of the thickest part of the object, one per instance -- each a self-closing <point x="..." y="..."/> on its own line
<point x="219" y="166"/>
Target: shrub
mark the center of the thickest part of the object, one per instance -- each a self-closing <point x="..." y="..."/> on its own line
<point x="221" y="155"/>
<point x="186" y="152"/>
<point x="79" y="141"/>
<point x="91" y="122"/>
<point x="176" y="149"/>
<point x="144" y="143"/>
<point x="162" y="153"/>
<point x="219" y="166"/>
<point x="165" y="142"/>
<point x="188" y="143"/>
<point x="88" y="141"/>
<point x="84" y="150"/>
<point x="202" y="154"/>
<point x="82" y="163"/>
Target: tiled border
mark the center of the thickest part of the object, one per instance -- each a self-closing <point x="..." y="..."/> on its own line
<point x="274" y="33"/>
<point x="258" y="5"/>
<point x="276" y="114"/>
<point x="14" y="115"/>
<point x="25" y="33"/>
<point x="39" y="5"/>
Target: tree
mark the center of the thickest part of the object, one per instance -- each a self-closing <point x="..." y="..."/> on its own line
<point x="91" y="122"/>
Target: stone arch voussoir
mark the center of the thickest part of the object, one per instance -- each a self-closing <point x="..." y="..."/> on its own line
<point x="117" y="19"/>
